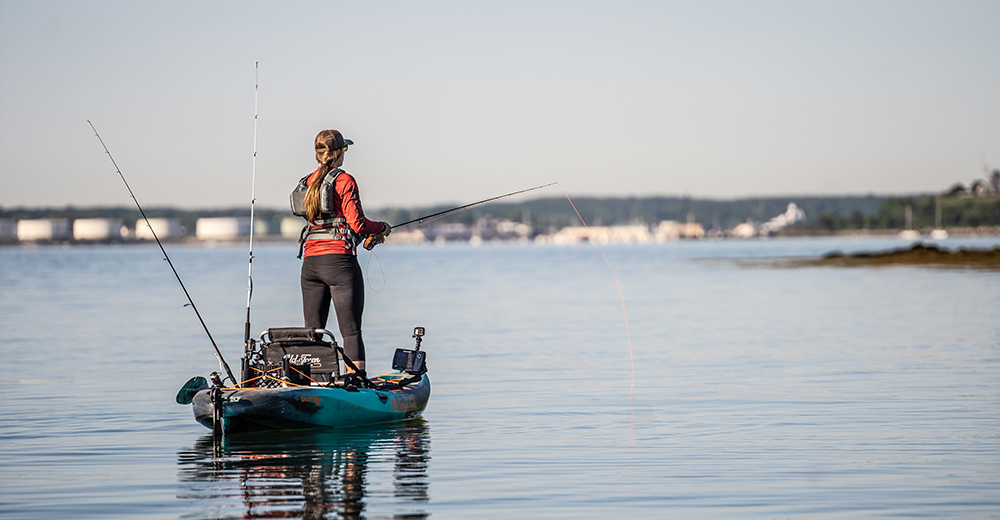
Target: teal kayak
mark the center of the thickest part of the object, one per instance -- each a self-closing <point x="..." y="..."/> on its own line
<point x="309" y="407"/>
<point x="292" y="380"/>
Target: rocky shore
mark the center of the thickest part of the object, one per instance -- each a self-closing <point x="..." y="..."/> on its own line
<point x="917" y="254"/>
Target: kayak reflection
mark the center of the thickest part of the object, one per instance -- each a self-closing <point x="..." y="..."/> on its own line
<point x="333" y="474"/>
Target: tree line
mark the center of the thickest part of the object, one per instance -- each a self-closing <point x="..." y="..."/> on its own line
<point x="926" y="211"/>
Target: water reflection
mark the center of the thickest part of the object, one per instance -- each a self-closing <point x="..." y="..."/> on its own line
<point x="335" y="474"/>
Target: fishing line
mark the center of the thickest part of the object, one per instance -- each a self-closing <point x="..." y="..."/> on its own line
<point x="621" y="295"/>
<point x="368" y="266"/>
<point x="218" y="353"/>
<point x="247" y="342"/>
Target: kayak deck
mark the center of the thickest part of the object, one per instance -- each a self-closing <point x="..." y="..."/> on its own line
<point x="310" y="407"/>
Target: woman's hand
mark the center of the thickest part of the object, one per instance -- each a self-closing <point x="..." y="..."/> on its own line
<point x="377" y="238"/>
<point x="373" y="240"/>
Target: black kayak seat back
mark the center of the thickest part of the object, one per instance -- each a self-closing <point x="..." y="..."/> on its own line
<point x="298" y="335"/>
<point x="316" y="348"/>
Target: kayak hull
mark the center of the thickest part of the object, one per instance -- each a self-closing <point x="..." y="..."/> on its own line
<point x="309" y="407"/>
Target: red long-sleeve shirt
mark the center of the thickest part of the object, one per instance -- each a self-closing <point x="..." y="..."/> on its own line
<point x="347" y="202"/>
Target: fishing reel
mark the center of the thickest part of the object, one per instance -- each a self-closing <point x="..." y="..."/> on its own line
<point x="373" y="240"/>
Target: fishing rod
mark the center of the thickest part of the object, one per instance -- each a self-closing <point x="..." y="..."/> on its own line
<point x="218" y="353"/>
<point x="247" y="342"/>
<point x="370" y="240"/>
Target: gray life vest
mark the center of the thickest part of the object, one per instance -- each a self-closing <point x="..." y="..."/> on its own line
<point x="328" y="226"/>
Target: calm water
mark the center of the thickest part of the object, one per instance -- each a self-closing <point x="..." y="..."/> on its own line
<point x="759" y="392"/>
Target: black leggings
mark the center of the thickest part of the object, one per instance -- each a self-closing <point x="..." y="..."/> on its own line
<point x="336" y="277"/>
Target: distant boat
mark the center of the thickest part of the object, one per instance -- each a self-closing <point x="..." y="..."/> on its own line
<point x="909" y="233"/>
<point x="938" y="233"/>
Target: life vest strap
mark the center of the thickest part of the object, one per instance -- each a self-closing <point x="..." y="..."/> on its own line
<point x="334" y="228"/>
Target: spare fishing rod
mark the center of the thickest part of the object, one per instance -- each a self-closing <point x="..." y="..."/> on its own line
<point x="218" y="353"/>
<point x="247" y="341"/>
<point x="370" y="240"/>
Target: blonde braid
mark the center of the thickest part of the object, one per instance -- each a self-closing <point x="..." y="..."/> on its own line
<point x="329" y="144"/>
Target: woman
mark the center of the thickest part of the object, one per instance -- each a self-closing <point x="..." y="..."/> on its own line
<point x="337" y="224"/>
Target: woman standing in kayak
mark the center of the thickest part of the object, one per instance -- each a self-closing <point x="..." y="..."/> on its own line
<point x="337" y="224"/>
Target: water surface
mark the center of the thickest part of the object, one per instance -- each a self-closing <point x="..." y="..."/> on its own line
<point x="759" y="392"/>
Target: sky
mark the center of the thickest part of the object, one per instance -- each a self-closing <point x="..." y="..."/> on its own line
<point x="456" y="101"/>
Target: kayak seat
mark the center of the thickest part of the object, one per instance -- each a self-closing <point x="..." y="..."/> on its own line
<point x="303" y="352"/>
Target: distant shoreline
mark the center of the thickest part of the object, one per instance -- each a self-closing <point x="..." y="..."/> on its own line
<point x="964" y="232"/>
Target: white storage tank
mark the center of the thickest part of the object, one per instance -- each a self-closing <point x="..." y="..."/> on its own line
<point x="261" y="227"/>
<point x="291" y="227"/>
<point x="222" y="228"/>
<point x="96" y="228"/>
<point x="163" y="227"/>
<point x="42" y="229"/>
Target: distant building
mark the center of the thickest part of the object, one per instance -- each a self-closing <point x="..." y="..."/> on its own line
<point x="791" y="215"/>
<point x="261" y="227"/>
<point x="163" y="227"/>
<point x="448" y="233"/>
<point x="42" y="229"/>
<point x="96" y="228"/>
<point x="603" y="234"/>
<point x="744" y="230"/>
<point x="508" y="229"/>
<point x="222" y="228"/>
<point x="691" y="230"/>
<point x="980" y="188"/>
<point x="750" y="229"/>
<point x="291" y="227"/>
<point x="666" y="231"/>
<point x="404" y="236"/>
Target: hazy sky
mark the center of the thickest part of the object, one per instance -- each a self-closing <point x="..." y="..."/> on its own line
<point x="459" y="101"/>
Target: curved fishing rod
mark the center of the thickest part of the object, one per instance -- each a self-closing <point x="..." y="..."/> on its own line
<point x="218" y="353"/>
<point x="247" y="342"/>
<point x="370" y="240"/>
